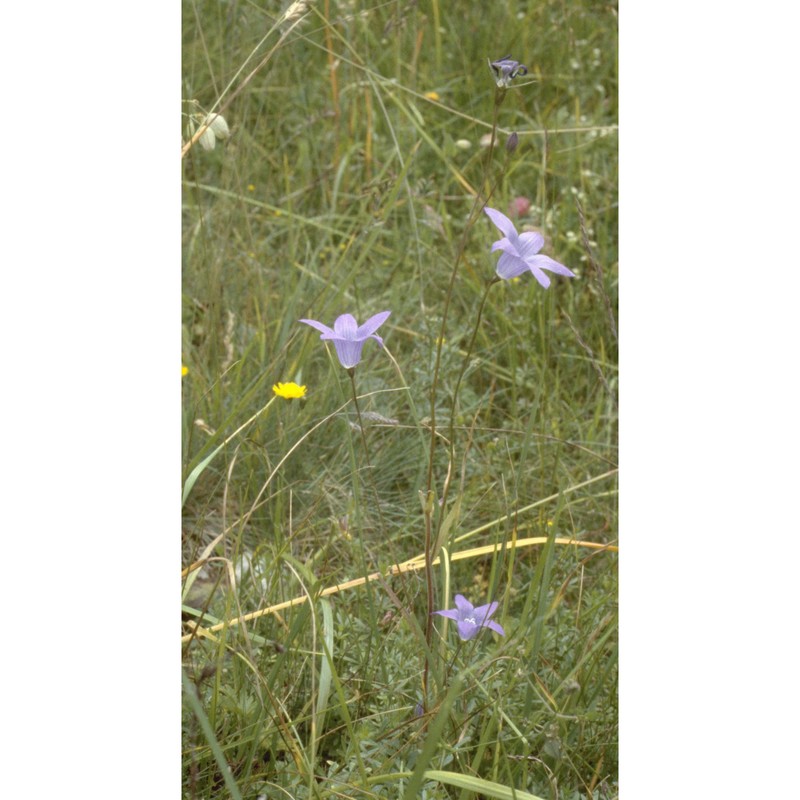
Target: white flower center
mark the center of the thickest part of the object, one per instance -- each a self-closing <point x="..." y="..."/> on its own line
<point x="471" y="620"/>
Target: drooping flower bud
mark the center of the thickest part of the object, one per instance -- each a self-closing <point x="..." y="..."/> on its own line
<point x="207" y="139"/>
<point x="218" y="125"/>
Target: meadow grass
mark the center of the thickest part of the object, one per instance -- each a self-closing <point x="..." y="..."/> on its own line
<point x="352" y="182"/>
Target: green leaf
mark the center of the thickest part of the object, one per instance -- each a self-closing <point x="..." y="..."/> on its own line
<point x="479" y="785"/>
<point x="325" y="673"/>
<point x="205" y="725"/>
<point x="444" y="529"/>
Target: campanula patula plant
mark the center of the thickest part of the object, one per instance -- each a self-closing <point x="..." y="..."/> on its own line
<point x="399" y="565"/>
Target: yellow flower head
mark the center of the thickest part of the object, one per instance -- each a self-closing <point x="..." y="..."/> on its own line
<point x="432" y="95"/>
<point x="289" y="390"/>
<point x="184" y="370"/>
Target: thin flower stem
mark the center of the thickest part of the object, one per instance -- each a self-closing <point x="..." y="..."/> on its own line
<point x="451" y="431"/>
<point x="429" y="591"/>
<point x="473" y="214"/>
<point x="449" y="667"/>
<point x="352" y="372"/>
<point x="365" y="550"/>
<point x="478" y="203"/>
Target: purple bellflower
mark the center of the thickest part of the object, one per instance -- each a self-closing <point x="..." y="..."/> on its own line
<point x="470" y="618"/>
<point x="348" y="337"/>
<point x="505" y="70"/>
<point x="520" y="252"/>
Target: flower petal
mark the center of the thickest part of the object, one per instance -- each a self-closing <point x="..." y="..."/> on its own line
<point x="530" y="243"/>
<point x="545" y="262"/>
<point x="449" y="613"/>
<point x="502" y="222"/>
<point x="319" y="326"/>
<point x="348" y="352"/>
<point x="346" y="327"/>
<point x="482" y="613"/>
<point x="464" y="605"/>
<point x="289" y="391"/>
<point x="510" y="266"/>
<point x="467" y="629"/>
<point x="495" y="627"/>
<point x="504" y="245"/>
<point x="537" y="273"/>
<point x="372" y="324"/>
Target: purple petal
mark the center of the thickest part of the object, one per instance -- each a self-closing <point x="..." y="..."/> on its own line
<point x="450" y="613"/>
<point x="466" y="630"/>
<point x="511" y="266"/>
<point x="537" y="273"/>
<point x="372" y="324"/>
<point x="463" y="605"/>
<point x="495" y="627"/>
<point x="545" y="262"/>
<point x="346" y="327"/>
<point x="348" y="352"/>
<point x="530" y="243"/>
<point x="482" y="613"/>
<point x="502" y="222"/>
<point x="319" y="326"/>
<point x="504" y="245"/>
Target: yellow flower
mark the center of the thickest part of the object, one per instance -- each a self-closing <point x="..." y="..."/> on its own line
<point x="289" y="390"/>
<point x="184" y="370"/>
<point x="251" y="187"/>
<point x="432" y="95"/>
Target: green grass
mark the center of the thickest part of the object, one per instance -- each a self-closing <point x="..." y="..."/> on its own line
<point x="342" y="189"/>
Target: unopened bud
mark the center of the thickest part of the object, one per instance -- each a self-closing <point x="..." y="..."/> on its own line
<point x="218" y="125"/>
<point x="207" y="139"/>
<point x="512" y="142"/>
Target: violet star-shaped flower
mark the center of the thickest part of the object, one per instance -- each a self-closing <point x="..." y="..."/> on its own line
<point x="348" y="337"/>
<point x="521" y="252"/>
<point x="505" y="70"/>
<point x="470" y="618"/>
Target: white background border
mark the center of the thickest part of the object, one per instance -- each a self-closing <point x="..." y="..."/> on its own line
<point x="709" y="367"/>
